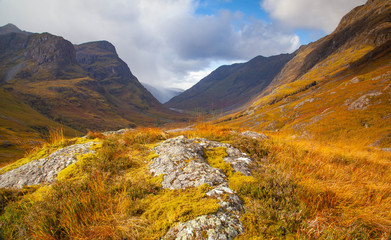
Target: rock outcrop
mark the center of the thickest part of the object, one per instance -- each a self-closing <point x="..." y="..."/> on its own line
<point x="363" y="102"/>
<point x="44" y="170"/>
<point x="183" y="163"/>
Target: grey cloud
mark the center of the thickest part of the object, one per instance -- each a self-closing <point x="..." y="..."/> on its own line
<point x="310" y="14"/>
<point x="162" y="41"/>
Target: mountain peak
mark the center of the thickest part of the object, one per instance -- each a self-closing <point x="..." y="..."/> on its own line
<point x="103" y="45"/>
<point x="10" y="28"/>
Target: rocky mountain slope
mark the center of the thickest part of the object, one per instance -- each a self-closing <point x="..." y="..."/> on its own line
<point x="81" y="87"/>
<point x="336" y="89"/>
<point x="231" y="86"/>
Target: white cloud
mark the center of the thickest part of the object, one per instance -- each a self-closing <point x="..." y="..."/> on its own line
<point x="311" y="14"/>
<point x="163" y="41"/>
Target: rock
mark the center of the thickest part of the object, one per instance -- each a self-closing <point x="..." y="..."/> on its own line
<point x="182" y="162"/>
<point x="363" y="102"/>
<point x="189" y="128"/>
<point x="382" y="141"/>
<point x="254" y="135"/>
<point x="44" y="170"/>
<point x="118" y="132"/>
<point x="302" y="103"/>
<point x="214" y="226"/>
<point x="356" y="80"/>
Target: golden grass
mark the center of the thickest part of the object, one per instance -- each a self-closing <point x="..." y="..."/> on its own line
<point x="340" y="187"/>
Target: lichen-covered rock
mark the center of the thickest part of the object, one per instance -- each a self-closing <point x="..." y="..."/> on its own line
<point x="182" y="162"/>
<point x="44" y="170"/>
<point x="219" y="226"/>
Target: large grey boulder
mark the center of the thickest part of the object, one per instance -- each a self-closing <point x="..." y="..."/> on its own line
<point x="44" y="170"/>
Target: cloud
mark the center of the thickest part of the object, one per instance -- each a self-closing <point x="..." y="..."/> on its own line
<point x="164" y="42"/>
<point x="310" y="14"/>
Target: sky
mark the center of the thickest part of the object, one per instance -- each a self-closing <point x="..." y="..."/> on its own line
<point x="175" y="43"/>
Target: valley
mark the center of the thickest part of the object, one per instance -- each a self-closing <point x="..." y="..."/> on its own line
<point x="289" y="146"/>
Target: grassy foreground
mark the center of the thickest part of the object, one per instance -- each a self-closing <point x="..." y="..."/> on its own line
<point x="299" y="190"/>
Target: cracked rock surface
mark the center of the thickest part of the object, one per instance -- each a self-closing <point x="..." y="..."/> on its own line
<point x="182" y="162"/>
<point x="44" y="170"/>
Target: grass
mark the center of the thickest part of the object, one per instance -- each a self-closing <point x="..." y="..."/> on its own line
<point x="54" y="141"/>
<point x="22" y="128"/>
<point x="298" y="190"/>
<point x="346" y="194"/>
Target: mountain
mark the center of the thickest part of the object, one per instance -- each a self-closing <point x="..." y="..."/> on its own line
<point x="163" y="94"/>
<point x="321" y="170"/>
<point x="230" y="87"/>
<point x="11" y="28"/>
<point x="336" y="89"/>
<point x="83" y="86"/>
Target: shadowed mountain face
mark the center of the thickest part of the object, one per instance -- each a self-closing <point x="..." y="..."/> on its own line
<point x="336" y="89"/>
<point x="231" y="86"/>
<point x="102" y="63"/>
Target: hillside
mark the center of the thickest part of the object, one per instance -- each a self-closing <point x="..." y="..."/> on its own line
<point x="309" y="157"/>
<point x="80" y="87"/>
<point x="335" y="90"/>
<point x="230" y="87"/>
<point x="22" y="128"/>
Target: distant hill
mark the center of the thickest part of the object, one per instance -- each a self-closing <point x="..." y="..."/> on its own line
<point x="230" y="87"/>
<point x="163" y="94"/>
<point x="336" y="89"/>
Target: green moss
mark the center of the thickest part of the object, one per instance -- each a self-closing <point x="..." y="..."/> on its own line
<point x="39" y="194"/>
<point x="170" y="206"/>
<point x="157" y="181"/>
<point x="75" y="169"/>
<point x="214" y="157"/>
<point x="152" y="155"/>
<point x="238" y="180"/>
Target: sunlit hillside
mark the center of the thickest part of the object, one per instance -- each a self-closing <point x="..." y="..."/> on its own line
<point x="344" y="96"/>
